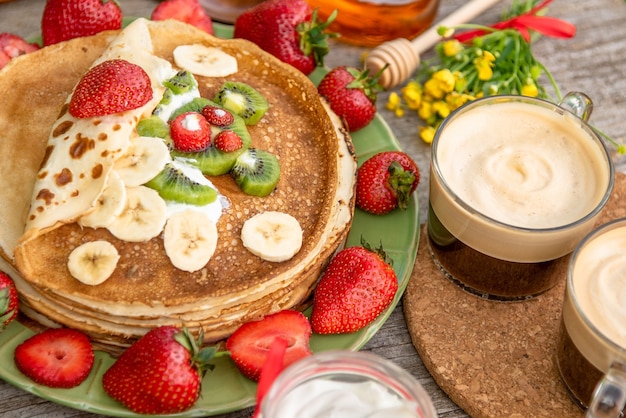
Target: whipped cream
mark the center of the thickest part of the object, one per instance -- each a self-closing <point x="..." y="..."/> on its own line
<point x="324" y="398"/>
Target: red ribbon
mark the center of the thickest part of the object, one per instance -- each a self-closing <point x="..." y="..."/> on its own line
<point x="548" y="26"/>
<point x="271" y="369"/>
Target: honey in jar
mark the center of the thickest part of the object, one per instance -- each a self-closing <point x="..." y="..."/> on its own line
<point x="371" y="22"/>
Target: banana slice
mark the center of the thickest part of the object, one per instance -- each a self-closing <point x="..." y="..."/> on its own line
<point x="205" y="60"/>
<point x="144" y="159"/>
<point x="94" y="262"/>
<point x="108" y="206"/>
<point x="273" y="236"/>
<point x="143" y="217"/>
<point x="190" y="239"/>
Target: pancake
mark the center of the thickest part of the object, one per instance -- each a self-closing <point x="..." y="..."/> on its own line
<point x="316" y="187"/>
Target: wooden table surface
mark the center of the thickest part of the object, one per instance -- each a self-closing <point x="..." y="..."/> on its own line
<point x="593" y="62"/>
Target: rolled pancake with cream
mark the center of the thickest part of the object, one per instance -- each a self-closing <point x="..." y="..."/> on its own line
<point x="316" y="187"/>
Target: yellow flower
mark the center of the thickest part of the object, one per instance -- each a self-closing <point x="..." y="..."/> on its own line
<point x="427" y="133"/>
<point x="441" y="108"/>
<point x="395" y="104"/>
<point x="484" y="64"/>
<point x="456" y="100"/>
<point x="530" y="89"/>
<point x="460" y="83"/>
<point x="440" y="83"/>
<point x="452" y="47"/>
<point x="412" y="95"/>
<point x="426" y="111"/>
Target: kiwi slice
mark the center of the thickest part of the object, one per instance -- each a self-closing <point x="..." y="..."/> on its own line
<point x="212" y="161"/>
<point x="182" y="82"/>
<point x="243" y="100"/>
<point x="256" y="172"/>
<point x="172" y="184"/>
<point x="153" y="126"/>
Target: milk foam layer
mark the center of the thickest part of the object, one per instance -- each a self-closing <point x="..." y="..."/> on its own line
<point x="520" y="164"/>
<point x="323" y="398"/>
<point x="600" y="283"/>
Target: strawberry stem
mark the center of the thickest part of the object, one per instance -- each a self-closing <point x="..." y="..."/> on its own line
<point x="401" y="182"/>
<point x="313" y="38"/>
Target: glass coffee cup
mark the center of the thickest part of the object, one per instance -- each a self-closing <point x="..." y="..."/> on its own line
<point x="515" y="183"/>
<point x="347" y="384"/>
<point x="591" y="349"/>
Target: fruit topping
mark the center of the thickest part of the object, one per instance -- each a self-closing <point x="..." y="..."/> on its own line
<point x="228" y="141"/>
<point x="57" y="357"/>
<point x="355" y="288"/>
<point x="12" y="46"/>
<point x="190" y="239"/>
<point x="142" y="218"/>
<point x="273" y="236"/>
<point x="250" y="344"/>
<point x="243" y="100"/>
<point x="190" y="132"/>
<point x="386" y="181"/>
<point x="256" y="172"/>
<point x="217" y="116"/>
<point x="93" y="262"/>
<point x="205" y="61"/>
<point x="110" y="87"/>
<point x="144" y="160"/>
<point x="67" y="19"/>
<point x="188" y="11"/>
<point x="177" y="183"/>
<point x="109" y="204"/>
<point x="287" y="29"/>
<point x="161" y="373"/>
<point x="352" y="95"/>
<point x="8" y="300"/>
<point x="181" y="83"/>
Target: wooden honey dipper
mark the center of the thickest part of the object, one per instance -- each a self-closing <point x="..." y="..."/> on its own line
<point x="403" y="56"/>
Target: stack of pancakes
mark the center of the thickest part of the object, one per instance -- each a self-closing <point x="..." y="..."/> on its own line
<point x="316" y="186"/>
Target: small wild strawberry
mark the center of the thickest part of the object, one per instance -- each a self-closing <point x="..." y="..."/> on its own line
<point x="227" y="141"/>
<point x="190" y="132"/>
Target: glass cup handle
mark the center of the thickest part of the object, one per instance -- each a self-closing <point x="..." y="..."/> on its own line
<point x="577" y="103"/>
<point x="609" y="396"/>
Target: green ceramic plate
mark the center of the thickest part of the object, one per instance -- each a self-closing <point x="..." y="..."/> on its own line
<point x="225" y="389"/>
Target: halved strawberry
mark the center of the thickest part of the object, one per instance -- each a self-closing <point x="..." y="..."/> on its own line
<point x="110" y="87"/>
<point x="190" y="132"/>
<point x="12" y="46"/>
<point x="227" y="141"/>
<point x="8" y="300"/>
<point x="57" y="357"/>
<point x="250" y="344"/>
<point x="188" y="11"/>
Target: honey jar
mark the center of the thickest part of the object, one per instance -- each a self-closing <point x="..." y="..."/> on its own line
<point x="372" y="22"/>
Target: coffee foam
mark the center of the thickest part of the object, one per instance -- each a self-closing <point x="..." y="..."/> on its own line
<point x="527" y="167"/>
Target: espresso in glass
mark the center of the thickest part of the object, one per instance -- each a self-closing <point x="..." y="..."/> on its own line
<point x="515" y="184"/>
<point x="591" y="350"/>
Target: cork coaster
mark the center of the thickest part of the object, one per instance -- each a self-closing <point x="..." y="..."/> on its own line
<point x="493" y="358"/>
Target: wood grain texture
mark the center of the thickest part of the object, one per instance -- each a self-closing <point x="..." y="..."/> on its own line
<point x="593" y="62"/>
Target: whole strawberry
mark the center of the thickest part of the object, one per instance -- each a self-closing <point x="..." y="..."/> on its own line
<point x="112" y="86"/>
<point x="356" y="287"/>
<point x="188" y="11"/>
<point x="385" y="182"/>
<point x="250" y="344"/>
<point x="8" y="300"/>
<point x="68" y="19"/>
<point x="191" y="132"/>
<point x="161" y="373"/>
<point x="352" y="95"/>
<point x="287" y="29"/>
